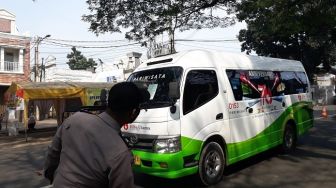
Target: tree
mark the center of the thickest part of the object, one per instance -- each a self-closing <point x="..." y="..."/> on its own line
<point x="77" y="61"/>
<point x="303" y="30"/>
<point x="146" y="19"/>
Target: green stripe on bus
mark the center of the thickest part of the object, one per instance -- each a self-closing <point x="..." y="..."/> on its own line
<point x="301" y="112"/>
<point x="150" y="162"/>
<point x="272" y="136"/>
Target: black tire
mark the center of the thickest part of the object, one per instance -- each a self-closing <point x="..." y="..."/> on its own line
<point x="211" y="164"/>
<point x="289" y="139"/>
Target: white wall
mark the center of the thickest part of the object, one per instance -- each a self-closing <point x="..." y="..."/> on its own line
<point x="54" y="74"/>
<point x="57" y="74"/>
<point x="109" y="76"/>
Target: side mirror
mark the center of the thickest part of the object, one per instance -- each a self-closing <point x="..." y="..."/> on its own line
<point x="174" y="90"/>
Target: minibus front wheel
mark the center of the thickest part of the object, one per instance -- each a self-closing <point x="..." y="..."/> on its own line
<point x="211" y="164"/>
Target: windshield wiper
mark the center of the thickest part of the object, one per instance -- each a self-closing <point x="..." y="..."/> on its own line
<point x="153" y="104"/>
<point x="144" y="105"/>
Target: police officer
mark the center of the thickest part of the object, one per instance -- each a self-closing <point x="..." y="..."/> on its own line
<point x="87" y="150"/>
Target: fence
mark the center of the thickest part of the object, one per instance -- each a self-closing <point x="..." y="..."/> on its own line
<point x="11" y="66"/>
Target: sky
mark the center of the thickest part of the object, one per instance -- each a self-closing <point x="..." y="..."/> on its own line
<point x="62" y="20"/>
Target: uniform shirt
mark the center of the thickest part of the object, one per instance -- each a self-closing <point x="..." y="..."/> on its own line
<point x="87" y="151"/>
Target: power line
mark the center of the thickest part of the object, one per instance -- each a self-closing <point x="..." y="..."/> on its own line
<point x="87" y="41"/>
<point x="78" y="46"/>
<point x="221" y="46"/>
<point x="89" y="52"/>
<point x="115" y="54"/>
<point x="118" y="51"/>
<point x="203" y="47"/>
<point x="207" y="40"/>
<point x="101" y="54"/>
<point x="65" y="45"/>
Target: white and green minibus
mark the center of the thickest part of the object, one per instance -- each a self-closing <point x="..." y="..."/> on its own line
<point x="210" y="109"/>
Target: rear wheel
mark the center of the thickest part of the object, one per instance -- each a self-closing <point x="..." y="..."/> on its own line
<point x="289" y="139"/>
<point x="212" y="163"/>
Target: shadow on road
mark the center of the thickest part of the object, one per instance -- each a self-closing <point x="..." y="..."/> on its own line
<point x="318" y="145"/>
<point x="193" y="181"/>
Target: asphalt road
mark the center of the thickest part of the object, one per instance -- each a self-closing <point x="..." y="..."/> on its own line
<point x="312" y="165"/>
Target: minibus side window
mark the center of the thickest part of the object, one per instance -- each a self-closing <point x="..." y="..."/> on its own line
<point x="294" y="82"/>
<point x="254" y="84"/>
<point x="200" y="87"/>
<point x="236" y="86"/>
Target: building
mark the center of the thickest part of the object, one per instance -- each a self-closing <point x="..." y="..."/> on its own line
<point x="103" y="72"/>
<point x="129" y="63"/>
<point x="14" y="54"/>
<point x="324" y="89"/>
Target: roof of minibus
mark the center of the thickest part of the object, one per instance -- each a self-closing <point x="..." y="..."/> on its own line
<point x="226" y="60"/>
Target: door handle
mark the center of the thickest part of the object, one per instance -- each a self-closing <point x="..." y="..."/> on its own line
<point x="219" y="116"/>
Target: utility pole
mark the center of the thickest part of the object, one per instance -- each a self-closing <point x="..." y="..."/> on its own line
<point x="35" y="69"/>
<point x="42" y="70"/>
<point x="38" y="41"/>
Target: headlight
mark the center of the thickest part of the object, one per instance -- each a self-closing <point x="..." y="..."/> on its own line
<point x="168" y="145"/>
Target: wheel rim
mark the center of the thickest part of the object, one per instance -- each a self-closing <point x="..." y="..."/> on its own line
<point x="289" y="138"/>
<point x="212" y="164"/>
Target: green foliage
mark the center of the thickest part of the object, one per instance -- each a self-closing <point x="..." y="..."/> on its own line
<point x="145" y="19"/>
<point x="77" y="61"/>
<point x="304" y="30"/>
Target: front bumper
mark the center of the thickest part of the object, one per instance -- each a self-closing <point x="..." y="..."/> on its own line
<point x="164" y="165"/>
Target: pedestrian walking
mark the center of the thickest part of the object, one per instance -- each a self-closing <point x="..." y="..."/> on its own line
<point x="31" y="123"/>
<point x="87" y="149"/>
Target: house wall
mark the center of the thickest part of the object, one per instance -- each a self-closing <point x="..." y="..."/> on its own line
<point x="7" y="22"/>
<point x="18" y="69"/>
<point x="23" y="45"/>
<point x="5" y="25"/>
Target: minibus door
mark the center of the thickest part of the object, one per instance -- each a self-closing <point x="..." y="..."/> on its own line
<point x="202" y="108"/>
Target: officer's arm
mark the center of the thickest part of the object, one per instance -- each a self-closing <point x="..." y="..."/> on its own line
<point x="53" y="155"/>
<point x="121" y="174"/>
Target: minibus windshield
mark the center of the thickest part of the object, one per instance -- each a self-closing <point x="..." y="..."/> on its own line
<point x="157" y="82"/>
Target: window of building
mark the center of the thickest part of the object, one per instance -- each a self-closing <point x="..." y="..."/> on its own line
<point x="10" y="65"/>
<point x="9" y="56"/>
<point x="200" y="87"/>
